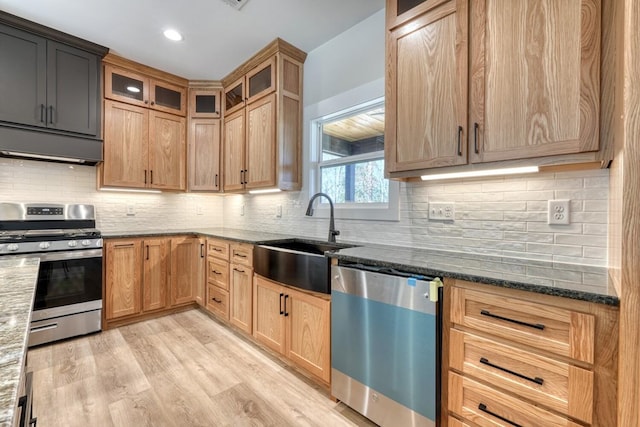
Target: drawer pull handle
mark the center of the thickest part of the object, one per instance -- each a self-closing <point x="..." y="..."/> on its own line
<point x="483" y="408"/>
<point x="217" y="249"/>
<point x="536" y="380"/>
<point x="238" y="270"/>
<point x="239" y="255"/>
<point x="216" y="272"/>
<point x="506" y="319"/>
<point x="216" y="300"/>
<point x="281" y="310"/>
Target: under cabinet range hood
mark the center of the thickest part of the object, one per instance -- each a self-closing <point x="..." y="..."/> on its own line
<point x="22" y="143"/>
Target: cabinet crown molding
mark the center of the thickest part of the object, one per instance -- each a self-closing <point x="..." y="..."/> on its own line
<point x="128" y="64"/>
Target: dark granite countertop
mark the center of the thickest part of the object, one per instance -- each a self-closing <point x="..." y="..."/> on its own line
<point x="18" y="278"/>
<point x="582" y="282"/>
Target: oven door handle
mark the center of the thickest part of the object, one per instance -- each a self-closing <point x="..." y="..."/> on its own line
<point x="67" y="255"/>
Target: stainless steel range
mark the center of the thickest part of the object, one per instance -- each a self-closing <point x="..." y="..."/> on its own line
<point x="68" y="298"/>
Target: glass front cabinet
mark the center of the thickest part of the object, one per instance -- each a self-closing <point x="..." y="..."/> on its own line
<point x="138" y="89"/>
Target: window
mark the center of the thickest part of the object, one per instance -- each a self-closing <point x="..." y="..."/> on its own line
<point x="350" y="163"/>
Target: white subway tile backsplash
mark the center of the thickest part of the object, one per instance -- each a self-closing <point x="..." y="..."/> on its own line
<point x="494" y="216"/>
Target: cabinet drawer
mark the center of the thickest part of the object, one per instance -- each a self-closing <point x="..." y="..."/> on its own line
<point x="218" y="301"/>
<point x="218" y="273"/>
<point x="560" y="331"/>
<point x="488" y="407"/>
<point x="241" y="253"/>
<point x="557" y="385"/>
<point x="218" y="248"/>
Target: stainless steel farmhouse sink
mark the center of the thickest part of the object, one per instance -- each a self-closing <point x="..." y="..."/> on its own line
<point x="296" y="262"/>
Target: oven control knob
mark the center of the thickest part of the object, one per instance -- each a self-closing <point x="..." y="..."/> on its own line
<point x="73" y="243"/>
<point x="12" y="247"/>
<point x="44" y="245"/>
<point x="86" y="242"/>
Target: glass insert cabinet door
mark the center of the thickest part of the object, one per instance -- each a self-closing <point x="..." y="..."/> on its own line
<point x="168" y="97"/>
<point x="204" y="103"/>
<point x="261" y="80"/>
<point x="406" y="5"/>
<point x="234" y="96"/>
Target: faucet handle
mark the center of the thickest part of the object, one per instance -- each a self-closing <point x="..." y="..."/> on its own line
<point x="335" y="232"/>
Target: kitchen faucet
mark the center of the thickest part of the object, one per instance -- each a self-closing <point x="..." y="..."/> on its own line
<point x="332" y="227"/>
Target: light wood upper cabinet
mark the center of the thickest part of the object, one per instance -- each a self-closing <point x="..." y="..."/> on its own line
<point x="204" y="154"/>
<point x="143" y="148"/>
<point x="126" y="154"/>
<point x="155" y="274"/>
<point x="426" y="99"/>
<point x="478" y="82"/>
<point x="536" y="78"/>
<point x="139" y="89"/>
<point x="123" y="278"/>
<point x="262" y="125"/>
<point x="204" y="103"/>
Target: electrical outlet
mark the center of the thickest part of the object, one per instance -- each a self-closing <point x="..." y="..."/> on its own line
<point x="199" y="210"/>
<point x="279" y="211"/>
<point x="131" y="211"/>
<point x="442" y="211"/>
<point x="242" y="209"/>
<point x="558" y="212"/>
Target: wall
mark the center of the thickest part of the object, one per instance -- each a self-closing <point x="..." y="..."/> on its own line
<point x="31" y="181"/>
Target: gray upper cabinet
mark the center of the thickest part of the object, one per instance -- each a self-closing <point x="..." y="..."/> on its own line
<point x="47" y="84"/>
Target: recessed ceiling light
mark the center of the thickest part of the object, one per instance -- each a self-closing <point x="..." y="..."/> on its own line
<point x="172" y="34"/>
<point x="133" y="89"/>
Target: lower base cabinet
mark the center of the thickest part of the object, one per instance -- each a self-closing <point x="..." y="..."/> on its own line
<point x="153" y="275"/>
<point x="295" y="324"/>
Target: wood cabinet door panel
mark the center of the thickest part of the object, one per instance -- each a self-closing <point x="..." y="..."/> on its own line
<point x="125" y="145"/>
<point x="204" y="154"/>
<point x="556" y="330"/>
<point x="234" y="149"/>
<point x="536" y="90"/>
<point x="218" y="302"/>
<point x="184" y="269"/>
<point x="557" y="385"/>
<point x="155" y="274"/>
<point x="241" y="253"/>
<point x="218" y="273"/>
<point x="261" y="80"/>
<point x="488" y="407"/>
<point x="24" y="64"/>
<point x="261" y="143"/>
<point x="241" y="295"/>
<point x="204" y="103"/>
<point x="126" y="86"/>
<point x="123" y="277"/>
<point x="234" y="96"/>
<point x="218" y="248"/>
<point x="308" y="332"/>
<point x="72" y="89"/>
<point x="268" y="317"/>
<point x="167" y="151"/>
<point x="427" y="95"/>
<point x="168" y="97"/>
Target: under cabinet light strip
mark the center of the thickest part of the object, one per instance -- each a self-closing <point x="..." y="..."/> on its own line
<point x="480" y="173"/>
<point x="268" y="190"/>
<point x="129" y="190"/>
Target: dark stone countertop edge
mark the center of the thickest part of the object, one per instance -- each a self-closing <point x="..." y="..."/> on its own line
<point x="425" y="271"/>
<point x="258" y="237"/>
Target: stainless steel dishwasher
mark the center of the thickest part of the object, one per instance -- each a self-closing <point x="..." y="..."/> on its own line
<point x="385" y="344"/>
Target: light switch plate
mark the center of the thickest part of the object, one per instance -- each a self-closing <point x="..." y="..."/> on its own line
<point x="444" y="211"/>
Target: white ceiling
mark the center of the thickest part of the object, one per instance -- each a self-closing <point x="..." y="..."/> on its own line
<point x="217" y="37"/>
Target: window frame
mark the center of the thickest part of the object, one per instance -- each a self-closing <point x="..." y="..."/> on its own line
<point x="389" y="211"/>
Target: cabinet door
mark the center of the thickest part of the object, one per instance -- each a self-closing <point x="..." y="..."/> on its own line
<point x="261" y="143"/>
<point x="204" y="103"/>
<point x="24" y="63"/>
<point x="200" y="276"/>
<point x="167" y="151"/>
<point x="123" y="277"/>
<point x="168" y="97"/>
<point x="268" y="314"/>
<point x="72" y="89"/>
<point x="204" y="154"/>
<point x="308" y="332"/>
<point x="126" y="137"/>
<point x="155" y="273"/>
<point x="218" y="302"/>
<point x="234" y="96"/>
<point x="126" y="86"/>
<point x="184" y="269"/>
<point x="401" y="11"/>
<point x="241" y="296"/>
<point x="426" y="100"/>
<point x="234" y="141"/>
<point x="536" y="78"/>
<point x="261" y="80"/>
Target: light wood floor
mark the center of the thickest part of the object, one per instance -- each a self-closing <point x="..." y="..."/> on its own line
<point x="180" y="370"/>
